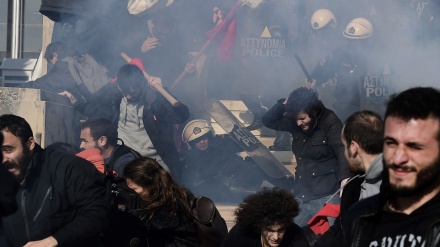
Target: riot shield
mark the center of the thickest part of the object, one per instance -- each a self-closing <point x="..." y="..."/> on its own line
<point x="247" y="141"/>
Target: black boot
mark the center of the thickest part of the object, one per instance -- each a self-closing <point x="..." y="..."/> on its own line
<point x="282" y="142"/>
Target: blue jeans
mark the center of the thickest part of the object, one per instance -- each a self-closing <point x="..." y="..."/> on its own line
<point x="310" y="208"/>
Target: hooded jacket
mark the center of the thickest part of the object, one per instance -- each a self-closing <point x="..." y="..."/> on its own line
<point x="62" y="196"/>
<point x="373" y="179"/>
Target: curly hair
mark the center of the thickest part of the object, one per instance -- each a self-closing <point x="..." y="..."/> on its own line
<point x="162" y="190"/>
<point x="304" y="99"/>
<point x="267" y="208"/>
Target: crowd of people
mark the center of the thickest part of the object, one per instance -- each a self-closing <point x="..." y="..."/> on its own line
<point x="146" y="149"/>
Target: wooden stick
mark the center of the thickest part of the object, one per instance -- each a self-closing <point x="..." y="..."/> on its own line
<point x="173" y="101"/>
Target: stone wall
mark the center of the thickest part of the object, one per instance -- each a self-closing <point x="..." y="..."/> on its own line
<point x="50" y="115"/>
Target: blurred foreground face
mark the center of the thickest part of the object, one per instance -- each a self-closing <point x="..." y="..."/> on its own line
<point x="411" y="155"/>
<point x="16" y="157"/>
<point x="273" y="235"/>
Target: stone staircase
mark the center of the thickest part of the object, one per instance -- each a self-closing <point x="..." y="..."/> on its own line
<point x="264" y="135"/>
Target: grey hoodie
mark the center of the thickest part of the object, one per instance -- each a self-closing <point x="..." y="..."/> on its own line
<point x="373" y="179"/>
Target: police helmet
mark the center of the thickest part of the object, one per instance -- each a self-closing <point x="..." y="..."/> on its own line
<point x="195" y="129"/>
<point x="358" y="28"/>
<point x="323" y="18"/>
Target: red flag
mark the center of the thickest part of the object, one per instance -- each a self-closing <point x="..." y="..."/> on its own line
<point x="319" y="222"/>
<point x="225" y="33"/>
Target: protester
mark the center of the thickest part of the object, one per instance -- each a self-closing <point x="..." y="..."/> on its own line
<point x="9" y="185"/>
<point x="362" y="137"/>
<point x="145" y="119"/>
<point x="62" y="197"/>
<point x="266" y="219"/>
<point x="406" y="212"/>
<point x="167" y="213"/>
<point x="316" y="131"/>
<point x="100" y="133"/>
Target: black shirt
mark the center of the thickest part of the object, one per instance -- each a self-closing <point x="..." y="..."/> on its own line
<point x="398" y="229"/>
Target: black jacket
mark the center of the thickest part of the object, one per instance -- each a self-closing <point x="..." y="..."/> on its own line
<point x="361" y="219"/>
<point x="61" y="196"/>
<point x="321" y="164"/>
<point x="165" y="229"/>
<point x="9" y="187"/>
<point x="159" y="118"/>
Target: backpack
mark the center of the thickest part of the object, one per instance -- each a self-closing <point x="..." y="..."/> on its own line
<point x="86" y="71"/>
<point x="120" y="151"/>
<point x="210" y="224"/>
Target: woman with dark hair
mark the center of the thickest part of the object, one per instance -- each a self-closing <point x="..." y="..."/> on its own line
<point x="167" y="206"/>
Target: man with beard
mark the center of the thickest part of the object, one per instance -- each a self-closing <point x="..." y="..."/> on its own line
<point x="100" y="133"/>
<point x="61" y="198"/>
<point x="406" y="212"/>
<point x="316" y="131"/>
<point x="144" y="118"/>
<point x="362" y="136"/>
<point x="9" y="185"/>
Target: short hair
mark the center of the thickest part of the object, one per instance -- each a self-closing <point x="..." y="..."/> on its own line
<point x="415" y="103"/>
<point x="61" y="49"/>
<point x="304" y="99"/>
<point x="102" y="127"/>
<point x="130" y="77"/>
<point x="366" y="128"/>
<point x="267" y="208"/>
<point x="18" y="126"/>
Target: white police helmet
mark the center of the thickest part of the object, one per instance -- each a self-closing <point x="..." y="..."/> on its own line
<point x="323" y="18"/>
<point x="195" y="129"/>
<point x="358" y="28"/>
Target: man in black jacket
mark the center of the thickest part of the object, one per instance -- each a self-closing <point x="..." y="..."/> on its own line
<point x="406" y="213"/>
<point x="61" y="198"/>
<point x="316" y="132"/>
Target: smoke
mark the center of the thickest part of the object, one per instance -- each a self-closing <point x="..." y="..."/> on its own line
<point x="403" y="51"/>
